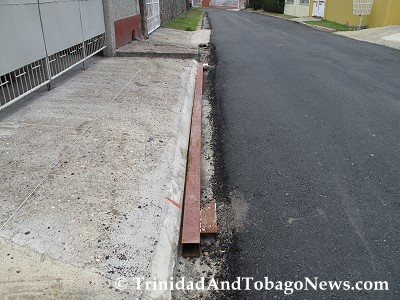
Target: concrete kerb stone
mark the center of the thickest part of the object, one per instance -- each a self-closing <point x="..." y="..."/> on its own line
<point x="168" y="43"/>
<point x="166" y="253"/>
<point x="315" y="26"/>
<point x="167" y="249"/>
<point x="200" y="38"/>
<point x="151" y="54"/>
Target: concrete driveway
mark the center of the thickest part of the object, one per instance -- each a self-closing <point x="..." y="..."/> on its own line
<point x="86" y="172"/>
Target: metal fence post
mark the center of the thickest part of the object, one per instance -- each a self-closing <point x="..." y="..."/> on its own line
<point x="47" y="61"/>
<point x="83" y="37"/>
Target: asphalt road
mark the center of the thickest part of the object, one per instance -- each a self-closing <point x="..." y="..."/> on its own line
<point x="310" y="133"/>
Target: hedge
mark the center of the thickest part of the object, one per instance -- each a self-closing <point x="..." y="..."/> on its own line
<point x="276" y="6"/>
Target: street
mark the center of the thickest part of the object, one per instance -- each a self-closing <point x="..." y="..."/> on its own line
<point x="311" y="149"/>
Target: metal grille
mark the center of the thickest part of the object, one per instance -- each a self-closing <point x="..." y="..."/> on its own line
<point x="65" y="59"/>
<point x="93" y="45"/>
<point x="362" y="7"/>
<point x="153" y="15"/>
<point x="17" y="83"/>
<point x="60" y="35"/>
<point x="21" y="82"/>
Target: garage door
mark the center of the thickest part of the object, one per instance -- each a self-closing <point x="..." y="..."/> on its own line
<point x="42" y="39"/>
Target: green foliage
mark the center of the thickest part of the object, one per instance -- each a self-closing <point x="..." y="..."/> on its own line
<point x="255" y="4"/>
<point x="275" y="6"/>
<point x="334" y="25"/>
<point x="188" y="21"/>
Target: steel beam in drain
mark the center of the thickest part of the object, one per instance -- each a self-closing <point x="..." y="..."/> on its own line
<point x="191" y="210"/>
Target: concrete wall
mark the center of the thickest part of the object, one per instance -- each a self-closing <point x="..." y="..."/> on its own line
<point x="297" y="9"/>
<point x="122" y="20"/>
<point x="341" y="11"/>
<point x="378" y="13"/>
<point x="170" y="9"/>
<point x="384" y="12"/>
<point x="394" y="16"/>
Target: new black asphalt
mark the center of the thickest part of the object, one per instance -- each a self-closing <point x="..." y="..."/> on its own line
<point x="310" y="134"/>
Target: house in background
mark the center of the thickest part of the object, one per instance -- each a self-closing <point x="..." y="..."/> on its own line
<point x="297" y="8"/>
<point x="384" y="12"/>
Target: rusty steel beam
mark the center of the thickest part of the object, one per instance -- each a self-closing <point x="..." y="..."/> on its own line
<point x="191" y="209"/>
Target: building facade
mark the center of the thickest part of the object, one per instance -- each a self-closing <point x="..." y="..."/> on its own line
<point x="297" y="8"/>
<point x="384" y="12"/>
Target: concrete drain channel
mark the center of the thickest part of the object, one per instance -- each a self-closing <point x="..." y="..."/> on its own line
<point x="197" y="222"/>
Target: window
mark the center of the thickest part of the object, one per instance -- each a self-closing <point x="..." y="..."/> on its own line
<point x="305" y="2"/>
<point x="289" y="1"/>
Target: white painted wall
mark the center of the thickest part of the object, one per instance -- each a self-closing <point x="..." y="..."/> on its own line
<point x="297" y="9"/>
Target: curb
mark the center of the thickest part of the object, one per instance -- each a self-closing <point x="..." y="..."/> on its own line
<point x="294" y="21"/>
<point x="165" y="254"/>
<point x="316" y="27"/>
<point x="175" y="55"/>
<point x="267" y="15"/>
<point x="175" y="52"/>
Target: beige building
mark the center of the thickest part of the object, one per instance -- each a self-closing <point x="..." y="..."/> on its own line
<point x="298" y="8"/>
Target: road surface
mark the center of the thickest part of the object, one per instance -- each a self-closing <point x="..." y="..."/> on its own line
<point x="310" y="127"/>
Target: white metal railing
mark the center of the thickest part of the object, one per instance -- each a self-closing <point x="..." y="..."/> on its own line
<point x="23" y="81"/>
<point x="16" y="81"/>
